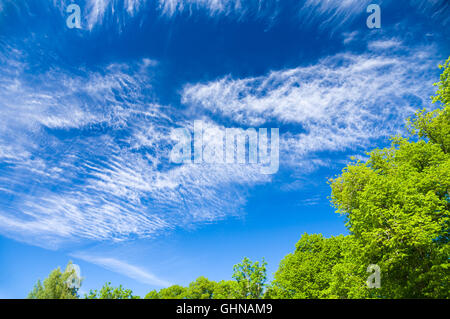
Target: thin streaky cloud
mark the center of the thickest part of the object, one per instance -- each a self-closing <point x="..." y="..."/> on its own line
<point x="121" y="267"/>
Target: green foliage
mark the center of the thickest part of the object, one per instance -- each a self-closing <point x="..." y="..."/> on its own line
<point x="226" y="289"/>
<point x="109" y="292"/>
<point x="307" y="272"/>
<point x="55" y="286"/>
<point x="348" y="277"/>
<point x="173" y="292"/>
<point x="152" y="295"/>
<point x="250" y="278"/>
<point x="397" y="209"/>
<point x="202" y="288"/>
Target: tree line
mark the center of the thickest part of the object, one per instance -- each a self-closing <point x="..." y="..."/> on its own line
<point x="396" y="206"/>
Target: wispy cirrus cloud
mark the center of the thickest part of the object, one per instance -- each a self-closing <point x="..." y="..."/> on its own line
<point x="90" y="158"/>
<point x="338" y="103"/>
<point x="118" y="266"/>
<point x="332" y="14"/>
<point x="327" y="14"/>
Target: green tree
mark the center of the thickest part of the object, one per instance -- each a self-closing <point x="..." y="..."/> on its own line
<point x="226" y="289"/>
<point x="202" y="288"/>
<point x="307" y="272"/>
<point x="349" y="275"/>
<point x="172" y="292"/>
<point x="397" y="207"/>
<point x="152" y="295"/>
<point x="56" y="286"/>
<point x="109" y="292"/>
<point x="250" y="278"/>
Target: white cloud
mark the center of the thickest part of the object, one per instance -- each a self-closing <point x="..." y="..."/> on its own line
<point x="385" y="44"/>
<point x="90" y="159"/>
<point x="225" y="7"/>
<point x="111" y="179"/>
<point x="329" y="14"/>
<point x="336" y="12"/>
<point x="121" y="267"/>
<point x="341" y="102"/>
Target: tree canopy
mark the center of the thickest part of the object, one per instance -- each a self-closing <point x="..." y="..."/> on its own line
<point x="56" y="286"/>
<point x="307" y="272"/>
<point x="110" y="292"/>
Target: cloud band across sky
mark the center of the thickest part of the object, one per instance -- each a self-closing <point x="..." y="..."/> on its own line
<point x="111" y="178"/>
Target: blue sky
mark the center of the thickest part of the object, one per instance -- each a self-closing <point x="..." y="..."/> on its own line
<point x="86" y="117"/>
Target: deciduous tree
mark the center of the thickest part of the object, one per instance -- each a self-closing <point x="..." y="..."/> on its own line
<point x="55" y="286"/>
<point x="250" y="278"/>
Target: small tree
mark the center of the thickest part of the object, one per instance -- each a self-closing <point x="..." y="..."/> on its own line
<point x="152" y="295"/>
<point x="251" y="278"/>
<point x="307" y="272"/>
<point x="56" y="285"/>
<point x="202" y="288"/>
<point x="226" y="289"/>
<point x="172" y="292"/>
